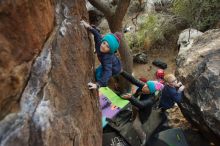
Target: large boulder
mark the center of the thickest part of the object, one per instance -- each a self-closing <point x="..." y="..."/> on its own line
<point x="199" y="70"/>
<point x="46" y="62"/>
<point x="186" y="39"/>
<point x="158" y="5"/>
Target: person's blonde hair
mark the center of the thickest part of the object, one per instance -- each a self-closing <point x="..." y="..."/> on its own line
<point x="169" y="78"/>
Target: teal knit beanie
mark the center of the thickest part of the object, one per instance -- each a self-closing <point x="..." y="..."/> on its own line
<point x="112" y="42"/>
<point x="151" y="86"/>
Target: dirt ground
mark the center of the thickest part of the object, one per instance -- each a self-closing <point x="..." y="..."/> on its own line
<point x="175" y="117"/>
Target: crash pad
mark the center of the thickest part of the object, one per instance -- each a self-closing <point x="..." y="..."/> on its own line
<point x="110" y="104"/>
<point x="113" y="98"/>
<point x="170" y="137"/>
<point x="125" y="128"/>
<point x="113" y="139"/>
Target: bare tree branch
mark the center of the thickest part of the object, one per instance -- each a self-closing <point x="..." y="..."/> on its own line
<point x="103" y="7"/>
<point x="134" y="20"/>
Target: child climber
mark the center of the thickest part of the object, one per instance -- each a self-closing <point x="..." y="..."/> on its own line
<point x="106" y="47"/>
<point x="171" y="93"/>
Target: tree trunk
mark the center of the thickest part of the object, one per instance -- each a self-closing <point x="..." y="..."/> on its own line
<point x="127" y="63"/>
<point x="49" y="68"/>
<point x="115" y="25"/>
<point x="126" y="57"/>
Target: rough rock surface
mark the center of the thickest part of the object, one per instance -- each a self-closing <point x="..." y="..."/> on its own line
<point x="199" y="69"/>
<point x="152" y="5"/>
<point x="186" y="39"/>
<point x="23" y="31"/>
<point x="45" y="65"/>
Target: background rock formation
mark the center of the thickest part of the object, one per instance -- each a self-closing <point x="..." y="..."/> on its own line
<point x="199" y="69"/>
<point x="45" y="64"/>
<point x="186" y="39"/>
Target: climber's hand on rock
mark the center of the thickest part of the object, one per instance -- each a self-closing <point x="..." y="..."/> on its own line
<point x="179" y="84"/>
<point x="92" y="85"/>
<point x="181" y="88"/>
<point x="85" y="24"/>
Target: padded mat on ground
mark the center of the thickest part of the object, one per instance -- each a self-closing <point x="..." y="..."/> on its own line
<point x="113" y="139"/>
<point x="110" y="103"/>
<point x="126" y="130"/>
<point x="170" y="137"/>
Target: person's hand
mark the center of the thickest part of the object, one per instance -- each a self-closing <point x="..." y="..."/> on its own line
<point x="84" y="23"/>
<point x="92" y="85"/>
<point x="179" y="84"/>
<point x="126" y="96"/>
<point x="181" y="88"/>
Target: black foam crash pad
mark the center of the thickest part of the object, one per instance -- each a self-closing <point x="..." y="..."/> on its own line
<point x="170" y="137"/>
<point x="126" y="130"/>
<point x="113" y="139"/>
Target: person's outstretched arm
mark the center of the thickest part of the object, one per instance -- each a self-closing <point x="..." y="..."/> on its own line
<point x="96" y="34"/>
<point x="137" y="92"/>
<point x="131" y="79"/>
<point x="141" y="104"/>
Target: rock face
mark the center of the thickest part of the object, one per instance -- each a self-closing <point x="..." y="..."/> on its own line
<point x="45" y="65"/>
<point x="186" y="39"/>
<point x="152" y="5"/>
<point x="199" y="69"/>
<point x="23" y="31"/>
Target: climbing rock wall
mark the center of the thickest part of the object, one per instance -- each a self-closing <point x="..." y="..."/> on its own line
<point x="24" y="27"/>
<point x="46" y="62"/>
<point x="199" y="69"/>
